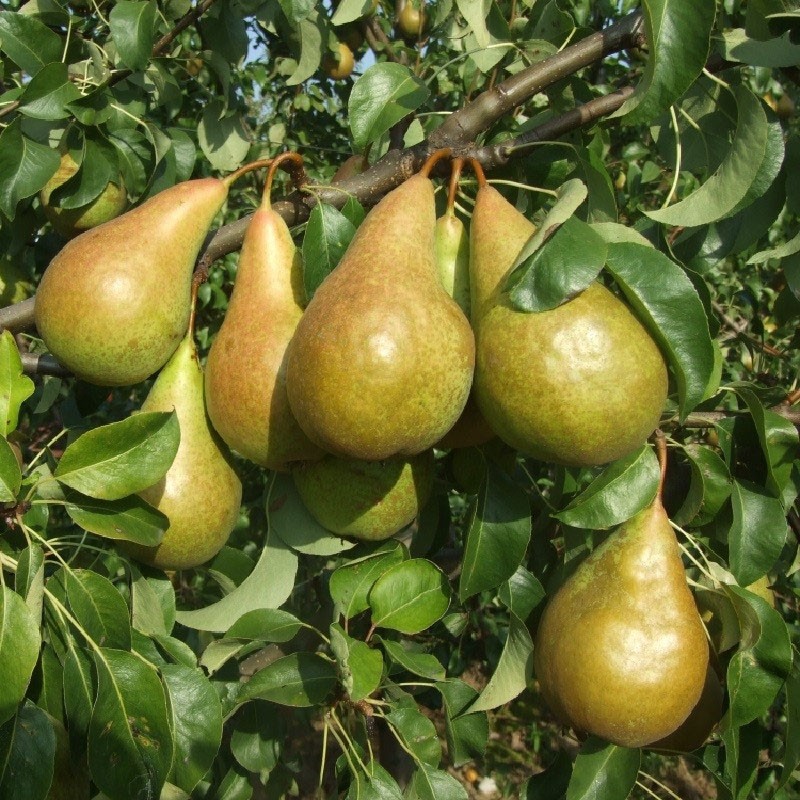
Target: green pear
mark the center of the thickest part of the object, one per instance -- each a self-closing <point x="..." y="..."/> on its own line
<point x="201" y="492"/>
<point x="365" y="500"/>
<point x="246" y="367"/>
<point x="70" y="222"/>
<point x="381" y="362"/>
<point x="621" y="651"/>
<point x="114" y="302"/>
<point x="581" y="384"/>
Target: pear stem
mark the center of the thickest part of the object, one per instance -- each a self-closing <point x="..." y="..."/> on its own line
<point x="455" y="177"/>
<point x="253" y="165"/>
<point x="477" y="168"/>
<point x="661" y="452"/>
<point x="198" y="277"/>
<point x="293" y="163"/>
<point x="438" y="155"/>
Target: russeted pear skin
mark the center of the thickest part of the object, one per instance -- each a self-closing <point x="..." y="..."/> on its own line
<point x="200" y="493"/>
<point x="381" y="362"/>
<point x="621" y="651"/>
<point x="114" y="302"/>
<point x="246" y="367"/>
<point x="580" y="385"/>
<point x="367" y="500"/>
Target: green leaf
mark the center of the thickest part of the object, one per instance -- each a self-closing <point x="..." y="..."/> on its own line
<point x="351" y="10"/>
<point x="129" y="518"/>
<point x="310" y="33"/>
<point x="603" y="771"/>
<point x="778" y="52"/>
<point x="328" y="233"/>
<point x="360" y="667"/>
<point x="669" y="306"/>
<point x="291" y="521"/>
<point x="757" y="534"/>
<point x="791" y="749"/>
<point x="382" y="96"/>
<point x="678" y="37"/>
<point x="563" y="267"/>
<point x="15" y="387"/>
<point x="48" y="94"/>
<point x="416" y="731"/>
<point x="267" y="624"/>
<point x="521" y="593"/>
<point x="132" y="27"/>
<point x="419" y="663"/>
<point x="467" y="734"/>
<point x="267" y="586"/>
<point x="731" y="181"/>
<point x="196" y="723"/>
<point x="429" y="783"/>
<point x="298" y="680"/>
<point x="409" y="597"/>
<point x="152" y="601"/>
<point x="99" y="607"/>
<point x="79" y="691"/>
<point x="476" y="12"/>
<point x="742" y="756"/>
<point x="710" y="486"/>
<point x="121" y="458"/>
<point x="513" y="672"/>
<point x="29" y="578"/>
<point x="28" y="42"/>
<point x="256" y="741"/>
<point x="129" y="728"/>
<point x="757" y="671"/>
<point x="20" y="640"/>
<point x="552" y="782"/>
<point x="223" y="138"/>
<point x="498" y="535"/>
<point x="10" y="473"/>
<point x="621" y="490"/>
<point x="27" y="754"/>
<point x="350" y="584"/>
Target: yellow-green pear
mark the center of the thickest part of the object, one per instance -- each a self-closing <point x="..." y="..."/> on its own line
<point x="201" y="492"/>
<point x="581" y="384"/>
<point x="114" y="302"/>
<point x="621" y="651"/>
<point x="246" y="366"/>
<point x="381" y="362"/>
<point x="70" y="222"/>
<point x="365" y="500"/>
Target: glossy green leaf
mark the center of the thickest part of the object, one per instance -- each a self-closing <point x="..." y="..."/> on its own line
<point x="27" y="754"/>
<point x="360" y="666"/>
<point x="80" y="689"/>
<point x="603" y="771"/>
<point x="710" y="486"/>
<point x="498" y="534"/>
<point x="417" y="662"/>
<point x="429" y="783"/>
<point x="382" y="96"/>
<point x="350" y="584"/>
<point x="128" y="518"/>
<point x="196" y="723"/>
<point x="513" y="672"/>
<point x="416" y="731"/>
<point x="222" y="136"/>
<point x="791" y="751"/>
<point x="267" y="586"/>
<point x="669" y="306"/>
<point x="290" y="520"/>
<point x="678" y="37"/>
<point x="467" y="734"/>
<point x="778" y="52"/>
<point x="121" y="458"/>
<point x="732" y="180"/>
<point x="99" y="608"/>
<point x="152" y="602"/>
<point x="10" y="473"/>
<point x="552" y="782"/>
<point x="268" y="624"/>
<point x="15" y="387"/>
<point x="29" y="578"/>
<point x="621" y="490"/>
<point x="300" y="679"/>
<point x="48" y="93"/>
<point x="328" y="233"/>
<point x="757" y="534"/>
<point x="26" y="167"/>
<point x="28" y="42"/>
<point x="350" y="10"/>
<point x="374" y="784"/>
<point x="310" y="32"/>
<point x="566" y="264"/>
<point x="132" y="25"/>
<point x="742" y="756"/>
<point x="20" y="640"/>
<point x="129" y="728"/>
<point x="410" y="596"/>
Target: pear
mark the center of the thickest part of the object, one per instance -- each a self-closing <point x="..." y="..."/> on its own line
<point x="381" y="362"/>
<point x="246" y="368"/>
<point x="365" y="500"/>
<point x="201" y="492"/>
<point x="114" y="302"/>
<point x="621" y="651"/>
<point x="70" y="222"/>
<point x="580" y="385"/>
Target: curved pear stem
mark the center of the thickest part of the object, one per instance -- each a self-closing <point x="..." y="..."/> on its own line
<point x="199" y="277"/>
<point x="477" y="168"/>
<point x="435" y="158"/>
<point x="661" y="452"/>
<point x="293" y="163"/>
<point x="253" y="165"/>
<point x="455" y="177"/>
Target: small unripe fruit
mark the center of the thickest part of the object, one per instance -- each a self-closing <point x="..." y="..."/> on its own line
<point x="341" y="69"/>
<point x="412" y="20"/>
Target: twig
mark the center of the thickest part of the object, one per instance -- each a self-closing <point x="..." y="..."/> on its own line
<point x="379" y="42"/>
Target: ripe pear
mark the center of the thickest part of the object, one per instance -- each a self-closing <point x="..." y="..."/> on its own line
<point x="246" y="366"/>
<point x="579" y="385"/>
<point x="201" y="492"/>
<point x="70" y="222"/>
<point x="621" y="651"/>
<point x="365" y="500"/>
<point x="381" y="363"/>
<point x="114" y="302"/>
